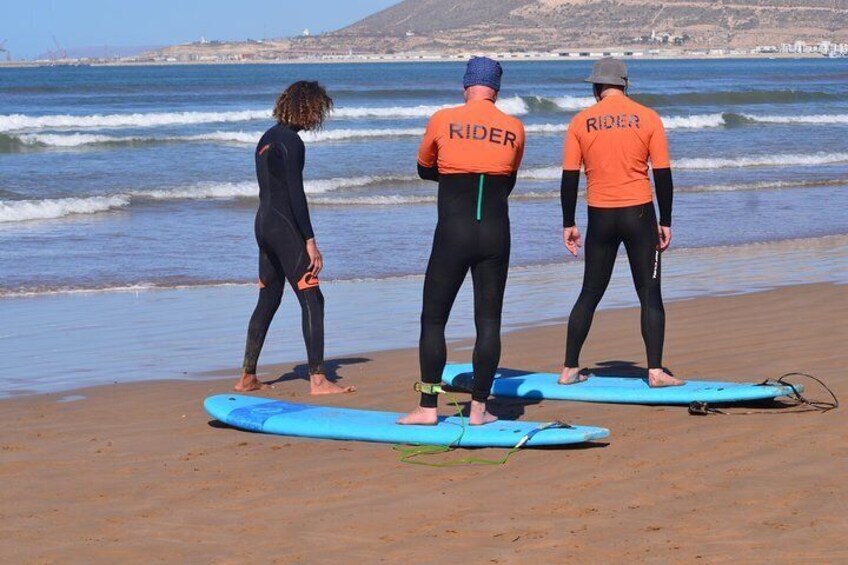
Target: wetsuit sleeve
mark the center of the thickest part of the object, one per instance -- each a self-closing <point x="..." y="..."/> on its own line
<point x="572" y="155"/>
<point x="658" y="146"/>
<point x="665" y="194"/>
<point x="428" y="173"/>
<point x="295" y="155"/>
<point x="568" y="196"/>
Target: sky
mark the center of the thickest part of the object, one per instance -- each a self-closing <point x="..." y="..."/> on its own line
<point x="30" y="25"/>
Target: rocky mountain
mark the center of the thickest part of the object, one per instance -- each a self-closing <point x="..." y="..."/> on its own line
<point x="461" y="26"/>
<point x="556" y="24"/>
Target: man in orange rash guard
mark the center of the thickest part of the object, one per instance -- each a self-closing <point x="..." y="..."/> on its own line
<point x="474" y="152"/>
<point x="615" y="140"/>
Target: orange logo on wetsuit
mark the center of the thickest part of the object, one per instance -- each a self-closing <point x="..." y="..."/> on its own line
<point x="615" y="140"/>
<point x="307" y="281"/>
<point x="474" y="138"/>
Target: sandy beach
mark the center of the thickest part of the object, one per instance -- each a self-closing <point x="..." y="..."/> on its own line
<point x="138" y="473"/>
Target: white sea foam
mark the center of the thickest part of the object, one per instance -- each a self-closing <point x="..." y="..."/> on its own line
<point x="810" y="119"/>
<point x="771" y="160"/>
<point x="545" y="128"/>
<point x="376" y="200"/>
<point x="25" y="210"/>
<point x="513" y="105"/>
<point x="354" y="112"/>
<point x="541" y="173"/>
<point x="22" y="122"/>
<point x="249" y="189"/>
<point x="252" y="138"/>
<point x="72" y="140"/>
<point x="16" y="122"/>
<point x="344" y="134"/>
<point x="318" y="186"/>
<point x="571" y="103"/>
<point x="201" y="192"/>
<point x="52" y="208"/>
<point x="788" y="160"/>
<point x="242" y="137"/>
<point x="764" y="185"/>
<point x="698" y="121"/>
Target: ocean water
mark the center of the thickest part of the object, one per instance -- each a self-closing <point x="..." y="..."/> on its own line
<point x="142" y="178"/>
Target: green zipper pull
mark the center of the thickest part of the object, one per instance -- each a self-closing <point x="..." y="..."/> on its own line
<point x="480" y="199"/>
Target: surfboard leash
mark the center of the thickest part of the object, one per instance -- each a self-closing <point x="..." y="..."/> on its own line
<point x="411" y="453"/>
<point x="800" y="402"/>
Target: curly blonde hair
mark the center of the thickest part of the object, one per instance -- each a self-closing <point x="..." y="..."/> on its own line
<point x="304" y="105"/>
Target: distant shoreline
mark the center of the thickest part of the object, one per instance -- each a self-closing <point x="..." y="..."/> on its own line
<point x="387" y="59"/>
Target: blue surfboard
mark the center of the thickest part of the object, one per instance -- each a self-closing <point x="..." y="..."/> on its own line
<point x="510" y="383"/>
<point x="325" y="422"/>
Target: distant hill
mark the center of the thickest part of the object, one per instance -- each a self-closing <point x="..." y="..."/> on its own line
<point x="461" y="26"/>
<point x="555" y="24"/>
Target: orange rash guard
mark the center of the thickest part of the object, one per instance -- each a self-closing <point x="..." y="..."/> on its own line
<point x="614" y="140"/>
<point x="474" y="138"/>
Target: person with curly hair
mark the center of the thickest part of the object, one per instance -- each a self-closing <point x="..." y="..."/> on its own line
<point x="287" y="248"/>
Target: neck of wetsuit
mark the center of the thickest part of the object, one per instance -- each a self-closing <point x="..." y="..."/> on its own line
<point x="295" y="129"/>
<point x="474" y="197"/>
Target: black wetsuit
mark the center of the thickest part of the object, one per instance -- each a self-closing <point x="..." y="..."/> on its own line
<point x="473" y="234"/>
<point x="636" y="228"/>
<point x="282" y="228"/>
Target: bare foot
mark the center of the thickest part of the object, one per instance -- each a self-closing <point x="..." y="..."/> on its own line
<point x="249" y="383"/>
<point x="571" y="376"/>
<point x="318" y="384"/>
<point x="657" y="378"/>
<point x="479" y="416"/>
<point x="420" y="417"/>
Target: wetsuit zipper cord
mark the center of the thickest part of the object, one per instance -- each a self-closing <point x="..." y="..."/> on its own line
<point x="480" y="199"/>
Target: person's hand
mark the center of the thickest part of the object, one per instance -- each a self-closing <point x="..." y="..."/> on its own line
<point x="316" y="261"/>
<point x="664" y="233"/>
<point x="571" y="239"/>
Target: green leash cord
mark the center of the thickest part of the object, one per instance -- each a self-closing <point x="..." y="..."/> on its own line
<point x="480" y="198"/>
<point x="410" y="453"/>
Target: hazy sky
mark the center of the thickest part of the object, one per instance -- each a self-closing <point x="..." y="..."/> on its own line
<point x="29" y="25"/>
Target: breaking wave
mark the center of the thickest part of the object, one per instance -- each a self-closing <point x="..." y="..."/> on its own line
<point x="24" y="210"/>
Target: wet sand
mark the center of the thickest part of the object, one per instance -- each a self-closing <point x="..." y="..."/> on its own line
<point x="138" y="473"/>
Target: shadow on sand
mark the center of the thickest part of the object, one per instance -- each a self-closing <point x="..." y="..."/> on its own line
<point x="331" y="370"/>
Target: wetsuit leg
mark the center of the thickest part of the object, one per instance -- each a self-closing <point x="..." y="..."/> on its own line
<point x="489" y="277"/>
<point x="602" y="243"/>
<point x="286" y="252"/>
<point x="270" y="295"/>
<point x="295" y="263"/>
<point x="639" y="229"/>
<point x="445" y="274"/>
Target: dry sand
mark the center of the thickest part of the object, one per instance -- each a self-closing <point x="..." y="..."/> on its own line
<point x="138" y="473"/>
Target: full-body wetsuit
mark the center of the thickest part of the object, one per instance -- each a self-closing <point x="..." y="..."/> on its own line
<point x="282" y="228"/>
<point x="474" y="152"/>
<point x="614" y="140"/>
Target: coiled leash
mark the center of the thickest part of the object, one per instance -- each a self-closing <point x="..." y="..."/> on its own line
<point x="798" y="402"/>
<point x="409" y="454"/>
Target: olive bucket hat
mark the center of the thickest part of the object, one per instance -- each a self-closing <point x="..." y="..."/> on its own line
<point x="609" y="71"/>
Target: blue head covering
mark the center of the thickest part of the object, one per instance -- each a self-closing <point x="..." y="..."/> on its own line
<point x="483" y="71"/>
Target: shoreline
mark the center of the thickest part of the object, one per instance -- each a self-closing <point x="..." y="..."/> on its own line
<point x="378" y="59"/>
<point x="111" y="337"/>
<point x="142" y="286"/>
<point x="134" y="471"/>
